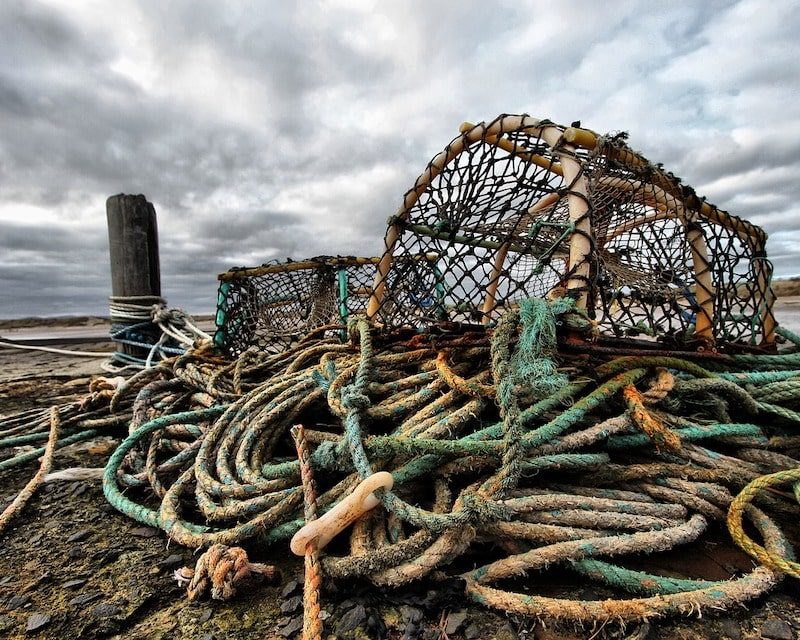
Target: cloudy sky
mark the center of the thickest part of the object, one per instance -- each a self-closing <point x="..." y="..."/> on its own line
<point x="289" y="129"/>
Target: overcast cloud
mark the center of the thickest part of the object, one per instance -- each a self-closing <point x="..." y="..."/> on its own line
<point x="293" y="129"/>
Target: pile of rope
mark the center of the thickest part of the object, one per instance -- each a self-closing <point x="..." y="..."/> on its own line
<point x="38" y="433"/>
<point x="502" y="451"/>
<point x="568" y="466"/>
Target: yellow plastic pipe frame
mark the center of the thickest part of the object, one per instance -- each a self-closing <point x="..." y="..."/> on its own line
<point x="569" y="168"/>
<point x="661" y="194"/>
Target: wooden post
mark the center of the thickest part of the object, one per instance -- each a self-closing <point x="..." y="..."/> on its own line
<point x="133" y="248"/>
<point x="133" y="244"/>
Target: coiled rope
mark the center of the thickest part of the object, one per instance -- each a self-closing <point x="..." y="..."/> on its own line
<point x="145" y="322"/>
<point x="557" y="460"/>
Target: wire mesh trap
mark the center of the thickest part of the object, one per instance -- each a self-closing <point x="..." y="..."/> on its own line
<point x="274" y="305"/>
<point x="521" y="208"/>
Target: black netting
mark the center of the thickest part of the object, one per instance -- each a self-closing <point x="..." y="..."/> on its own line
<point x="272" y="306"/>
<point x="497" y="223"/>
<point x="518" y="208"/>
<point x="669" y="265"/>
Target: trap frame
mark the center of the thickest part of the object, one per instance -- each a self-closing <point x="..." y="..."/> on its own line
<point x="520" y="207"/>
<point x="274" y="305"/>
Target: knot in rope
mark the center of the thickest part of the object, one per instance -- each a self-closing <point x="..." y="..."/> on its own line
<point x="354" y="398"/>
<point x="479" y="511"/>
<point x="354" y="395"/>
<point x="222" y="569"/>
<point x="160" y="314"/>
<point x="101" y="390"/>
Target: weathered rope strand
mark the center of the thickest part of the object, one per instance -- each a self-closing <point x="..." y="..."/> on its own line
<point x="312" y="621"/>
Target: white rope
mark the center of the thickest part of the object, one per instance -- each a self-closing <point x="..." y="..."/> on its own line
<point x="75" y="473"/>
<point x="154" y="309"/>
<point x="174" y="324"/>
<point x="65" y="352"/>
<point x="170" y="321"/>
<point x="108" y="367"/>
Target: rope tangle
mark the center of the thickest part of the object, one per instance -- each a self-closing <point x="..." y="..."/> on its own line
<point x="562" y="477"/>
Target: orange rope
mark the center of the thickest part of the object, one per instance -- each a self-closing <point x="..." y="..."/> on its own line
<point x="660" y="434"/>
<point x="453" y="380"/>
<point x="312" y="622"/>
<point x="44" y="468"/>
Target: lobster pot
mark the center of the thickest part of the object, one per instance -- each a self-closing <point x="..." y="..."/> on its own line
<point x="520" y="208"/>
<point x="273" y="306"/>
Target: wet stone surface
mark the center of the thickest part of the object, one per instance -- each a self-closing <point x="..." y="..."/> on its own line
<point x="776" y="629"/>
<point x="36" y="622"/>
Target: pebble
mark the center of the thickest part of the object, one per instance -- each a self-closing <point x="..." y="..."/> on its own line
<point x="86" y="598"/>
<point x="776" y="629"/>
<point x="15" y="602"/>
<point x="472" y="632"/>
<point x="411" y="614"/>
<point x="205" y="616"/>
<point x="290" y="588"/>
<point x="79" y="536"/>
<point x="71" y="584"/>
<point x="36" y="621"/>
<point x="376" y="627"/>
<point x="106" y="556"/>
<point x="455" y="621"/>
<point x="410" y="631"/>
<point x="292" y="604"/>
<point x="171" y="562"/>
<point x="730" y="629"/>
<point x="295" y="624"/>
<point x="104" y="610"/>
<point x="350" y="620"/>
<point x="80" y="490"/>
<point x="144" y="532"/>
<point x="6" y="622"/>
<point x="75" y="553"/>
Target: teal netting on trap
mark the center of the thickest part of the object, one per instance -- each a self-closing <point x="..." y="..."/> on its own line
<point x="272" y="306"/>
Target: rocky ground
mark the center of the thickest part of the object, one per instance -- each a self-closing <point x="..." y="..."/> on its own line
<point x="72" y="567"/>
